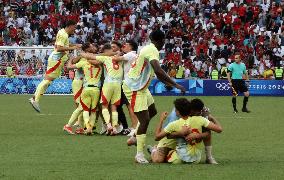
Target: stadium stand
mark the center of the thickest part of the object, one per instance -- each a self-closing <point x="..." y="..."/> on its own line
<point x="201" y="34"/>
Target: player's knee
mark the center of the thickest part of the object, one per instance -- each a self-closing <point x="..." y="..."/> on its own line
<point x="246" y="94"/>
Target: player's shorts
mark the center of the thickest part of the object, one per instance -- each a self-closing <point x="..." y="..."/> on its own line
<point x="174" y="158"/>
<point x="239" y="85"/>
<point x="111" y="93"/>
<point x="54" y="67"/>
<point x="89" y="98"/>
<point x="167" y="143"/>
<point x="77" y="88"/>
<point x="139" y="100"/>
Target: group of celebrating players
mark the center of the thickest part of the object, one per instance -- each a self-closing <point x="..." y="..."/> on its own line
<point x="110" y="75"/>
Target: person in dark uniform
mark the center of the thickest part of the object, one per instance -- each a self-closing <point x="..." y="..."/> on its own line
<point x="236" y="72"/>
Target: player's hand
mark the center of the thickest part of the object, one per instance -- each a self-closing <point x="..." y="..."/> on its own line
<point x="185" y="130"/>
<point x="191" y="137"/>
<point x="181" y="88"/>
<point x="205" y="112"/>
<point x="164" y="115"/>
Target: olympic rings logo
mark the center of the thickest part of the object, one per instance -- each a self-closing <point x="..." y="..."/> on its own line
<point x="223" y="86"/>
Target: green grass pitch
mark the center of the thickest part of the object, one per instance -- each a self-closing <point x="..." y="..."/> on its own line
<point x="33" y="146"/>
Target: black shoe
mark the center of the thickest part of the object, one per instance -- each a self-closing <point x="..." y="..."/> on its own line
<point x="245" y="110"/>
<point x="236" y="111"/>
<point x="125" y="131"/>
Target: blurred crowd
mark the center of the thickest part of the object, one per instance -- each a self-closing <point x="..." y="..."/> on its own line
<point x="201" y="35"/>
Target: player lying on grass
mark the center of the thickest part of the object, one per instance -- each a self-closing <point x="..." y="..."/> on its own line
<point x="187" y="132"/>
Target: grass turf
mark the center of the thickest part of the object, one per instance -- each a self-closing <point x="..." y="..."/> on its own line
<point x="33" y="146"/>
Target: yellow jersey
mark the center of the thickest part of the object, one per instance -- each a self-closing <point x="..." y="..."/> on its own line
<point x="92" y="73"/>
<point x="141" y="72"/>
<point x="113" y="70"/>
<point x="62" y="39"/>
<point x="188" y="152"/>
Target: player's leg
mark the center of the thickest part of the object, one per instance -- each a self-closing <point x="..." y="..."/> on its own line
<point x="144" y="119"/>
<point x="73" y="119"/>
<point x="234" y="93"/>
<point x="115" y="101"/>
<point x="244" y="89"/>
<point x="53" y="72"/>
<point x="208" y="147"/>
<point x="86" y="100"/>
<point x="105" y="100"/>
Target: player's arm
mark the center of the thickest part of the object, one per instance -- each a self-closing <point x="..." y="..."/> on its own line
<point x="163" y="76"/>
<point x="214" y="125"/>
<point x="186" y="130"/>
<point x="197" y="136"/>
<point x="71" y="64"/>
<point x="229" y="77"/>
<point x="93" y="56"/>
<point x="63" y="49"/>
<point x="160" y="133"/>
<point x="119" y="58"/>
<point x="95" y="62"/>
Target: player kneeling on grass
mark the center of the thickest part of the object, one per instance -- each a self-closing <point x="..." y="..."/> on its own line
<point x="165" y="145"/>
<point x="187" y="131"/>
<point x="91" y="91"/>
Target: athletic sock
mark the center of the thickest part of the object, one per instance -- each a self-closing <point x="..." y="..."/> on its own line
<point x="81" y="120"/>
<point x="74" y="116"/>
<point x="208" y="152"/>
<point x="245" y="101"/>
<point x="41" y="88"/>
<point x="106" y="115"/>
<point x="86" y="117"/>
<point x="234" y="101"/>
<point x="141" y="139"/>
<point x="114" y="116"/>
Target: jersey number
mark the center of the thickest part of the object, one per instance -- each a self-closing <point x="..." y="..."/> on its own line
<point x="92" y="71"/>
<point x="115" y="65"/>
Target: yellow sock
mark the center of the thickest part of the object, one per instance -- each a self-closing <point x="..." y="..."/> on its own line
<point x="81" y="120"/>
<point x="74" y="116"/>
<point x="86" y="117"/>
<point x="93" y="119"/>
<point x="41" y="88"/>
<point x="106" y="115"/>
<point x="114" y="116"/>
<point x="141" y="139"/>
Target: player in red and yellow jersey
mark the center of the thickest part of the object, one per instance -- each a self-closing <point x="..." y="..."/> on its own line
<point x="111" y="91"/>
<point x="91" y="92"/>
<point x="56" y="61"/>
<point x="136" y="83"/>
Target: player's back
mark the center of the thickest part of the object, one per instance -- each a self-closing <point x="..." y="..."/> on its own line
<point x="92" y="73"/>
<point x="113" y="70"/>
